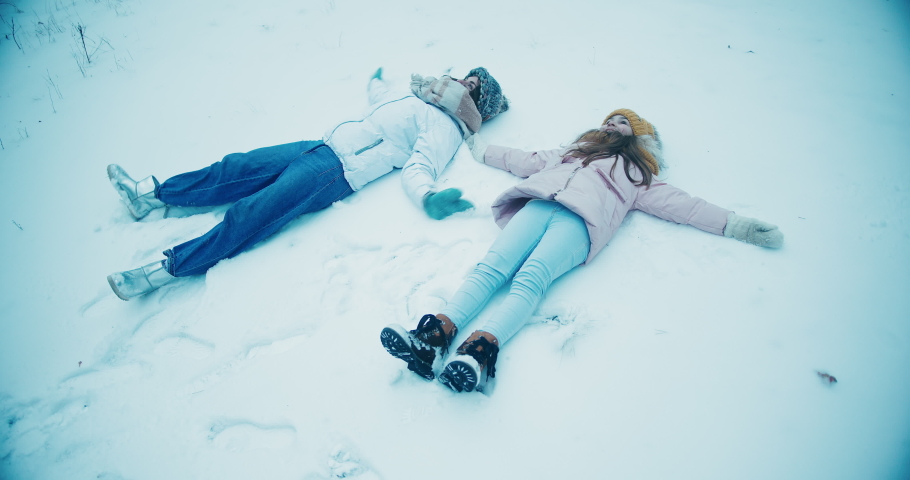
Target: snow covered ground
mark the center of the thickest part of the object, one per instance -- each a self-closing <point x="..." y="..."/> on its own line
<point x="675" y="355"/>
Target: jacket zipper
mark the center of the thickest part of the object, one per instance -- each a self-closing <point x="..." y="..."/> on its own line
<point x="567" y="181"/>
<point x="377" y="142"/>
<point x="573" y="176"/>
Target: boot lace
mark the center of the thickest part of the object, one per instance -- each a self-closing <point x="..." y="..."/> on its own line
<point x="429" y="330"/>
<point x="484" y="351"/>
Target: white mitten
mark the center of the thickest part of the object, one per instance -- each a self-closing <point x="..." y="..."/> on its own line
<point x="753" y="231"/>
<point x="477" y="145"/>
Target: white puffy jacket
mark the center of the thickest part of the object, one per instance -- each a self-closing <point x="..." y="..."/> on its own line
<point x="400" y="131"/>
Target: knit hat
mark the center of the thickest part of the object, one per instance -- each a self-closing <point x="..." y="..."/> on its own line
<point x="648" y="137"/>
<point x="492" y="102"/>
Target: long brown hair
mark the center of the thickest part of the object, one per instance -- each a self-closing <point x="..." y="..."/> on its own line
<point x="595" y="145"/>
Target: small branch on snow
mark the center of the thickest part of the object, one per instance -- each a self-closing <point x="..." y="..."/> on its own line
<point x="50" y="97"/>
<point x="12" y="27"/>
<point x="79" y="63"/>
<point x="826" y="378"/>
<point x="81" y="29"/>
<point x="51" y="83"/>
<point x="12" y="5"/>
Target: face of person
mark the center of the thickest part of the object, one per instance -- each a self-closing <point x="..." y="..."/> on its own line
<point x="471" y="83"/>
<point x="617" y="123"/>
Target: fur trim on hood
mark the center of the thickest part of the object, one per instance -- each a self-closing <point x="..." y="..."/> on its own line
<point x="655" y="147"/>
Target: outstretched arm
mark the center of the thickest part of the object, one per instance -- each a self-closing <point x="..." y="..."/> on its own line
<point x="435" y="146"/>
<point x="377" y="90"/>
<point x="518" y="162"/>
<point x="670" y="203"/>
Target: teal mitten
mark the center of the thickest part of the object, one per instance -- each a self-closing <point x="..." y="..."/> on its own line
<point x="439" y="205"/>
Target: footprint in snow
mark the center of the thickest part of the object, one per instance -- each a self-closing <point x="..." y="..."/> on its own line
<point x="90" y="378"/>
<point x="228" y="369"/>
<point x="277" y="347"/>
<point x="344" y="464"/>
<point x="244" y="435"/>
<point x="185" y="346"/>
<point x="29" y="430"/>
<point x="101" y="304"/>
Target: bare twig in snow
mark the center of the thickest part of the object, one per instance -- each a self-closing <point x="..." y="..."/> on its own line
<point x="47" y="27"/>
<point x="82" y="56"/>
<point x="50" y="83"/>
<point x="81" y="29"/>
<point x="50" y="96"/>
<point x="826" y="378"/>
<point x="80" y="62"/>
<point x="12" y="5"/>
<point x="12" y="26"/>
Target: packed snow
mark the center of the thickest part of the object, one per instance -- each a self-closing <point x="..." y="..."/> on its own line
<point x="675" y="354"/>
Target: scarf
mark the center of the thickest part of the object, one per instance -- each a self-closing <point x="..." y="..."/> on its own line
<point x="451" y="97"/>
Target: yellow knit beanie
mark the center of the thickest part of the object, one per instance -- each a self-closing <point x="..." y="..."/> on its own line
<point x="640" y="127"/>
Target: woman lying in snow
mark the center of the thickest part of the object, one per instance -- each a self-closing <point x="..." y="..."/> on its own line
<point x="565" y="212"/>
<point x="418" y="132"/>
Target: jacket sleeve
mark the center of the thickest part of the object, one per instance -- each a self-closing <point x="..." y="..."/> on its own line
<point x="519" y="162"/>
<point x="378" y="91"/>
<point x="435" y="147"/>
<point x="670" y="203"/>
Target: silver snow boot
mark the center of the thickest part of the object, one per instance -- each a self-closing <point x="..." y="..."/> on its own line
<point x="139" y="196"/>
<point x="140" y="281"/>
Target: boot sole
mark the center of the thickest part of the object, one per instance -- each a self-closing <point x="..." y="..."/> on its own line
<point x="400" y="348"/>
<point x="462" y="375"/>
<point x="110" y="281"/>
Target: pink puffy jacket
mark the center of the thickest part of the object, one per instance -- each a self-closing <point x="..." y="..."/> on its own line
<point x="601" y="199"/>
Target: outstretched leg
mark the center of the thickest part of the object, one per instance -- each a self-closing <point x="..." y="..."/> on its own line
<point x="236" y="176"/>
<point x="313" y="181"/>
<point x="509" y="252"/>
<point x="426" y="344"/>
<point x="564" y="245"/>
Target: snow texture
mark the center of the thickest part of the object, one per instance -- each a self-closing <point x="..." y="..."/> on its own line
<point x="675" y="354"/>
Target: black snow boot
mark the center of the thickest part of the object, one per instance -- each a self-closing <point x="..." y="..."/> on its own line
<point x="465" y="371"/>
<point x="420" y="347"/>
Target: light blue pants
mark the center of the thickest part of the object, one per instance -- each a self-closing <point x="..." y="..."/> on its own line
<point x="542" y="241"/>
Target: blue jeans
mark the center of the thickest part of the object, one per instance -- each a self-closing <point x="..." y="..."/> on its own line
<point x="270" y="187"/>
<point x="541" y="242"/>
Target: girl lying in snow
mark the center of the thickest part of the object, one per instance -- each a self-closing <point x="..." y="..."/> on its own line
<point x="565" y="212"/>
